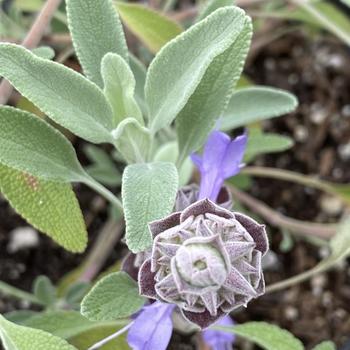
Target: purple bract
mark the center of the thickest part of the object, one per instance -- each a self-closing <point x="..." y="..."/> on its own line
<point x="206" y="260"/>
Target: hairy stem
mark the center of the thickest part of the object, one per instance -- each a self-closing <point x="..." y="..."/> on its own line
<point x="304" y="276"/>
<point x="286" y="175"/>
<point x="275" y="218"/>
<point x="6" y="289"/>
<point x="103" y="191"/>
<point x="31" y="40"/>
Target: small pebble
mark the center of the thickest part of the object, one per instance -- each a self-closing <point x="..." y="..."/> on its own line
<point x="331" y="205"/>
<point x="344" y="151"/>
<point x="301" y="133"/>
<point x="291" y="313"/>
<point x="22" y="238"/>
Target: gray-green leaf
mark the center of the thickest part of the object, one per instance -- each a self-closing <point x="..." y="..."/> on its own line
<point x="16" y="337"/>
<point x="119" y="88"/>
<point x="326" y="345"/>
<point x="114" y="296"/>
<point x="211" y="6"/>
<point x="96" y="30"/>
<point x="63" y="94"/>
<point x="148" y="193"/>
<point x="29" y="144"/>
<point x="139" y="71"/>
<point x="169" y="152"/>
<point x="212" y="95"/>
<point x="268" y="336"/>
<point x="45" y="52"/>
<point x="257" y="103"/>
<point x="44" y="290"/>
<point x="132" y="140"/>
<point x="63" y="324"/>
<point x="261" y="143"/>
<point x="180" y="65"/>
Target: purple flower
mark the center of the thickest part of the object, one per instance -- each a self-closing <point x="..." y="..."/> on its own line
<point x="152" y="327"/>
<point x="219" y="340"/>
<point x="221" y="159"/>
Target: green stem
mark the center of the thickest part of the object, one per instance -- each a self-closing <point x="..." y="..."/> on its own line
<point x="327" y="23"/>
<point x="304" y="276"/>
<point x="287" y="175"/>
<point x="103" y="191"/>
<point x="18" y="293"/>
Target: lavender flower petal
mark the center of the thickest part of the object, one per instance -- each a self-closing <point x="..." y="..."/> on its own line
<point x="221" y="159"/>
<point x="219" y="340"/>
<point x="152" y="328"/>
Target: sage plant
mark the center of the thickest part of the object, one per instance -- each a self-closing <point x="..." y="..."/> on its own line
<point x="191" y="259"/>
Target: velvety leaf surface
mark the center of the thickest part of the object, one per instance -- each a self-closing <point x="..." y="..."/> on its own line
<point x="31" y="145"/>
<point x="252" y="104"/>
<point x="177" y="70"/>
<point x="268" y="336"/>
<point x="148" y="193"/>
<point x="326" y="345"/>
<point x="169" y="152"/>
<point x="96" y="30"/>
<point x="139" y="71"/>
<point x="45" y="52"/>
<point x="132" y="140"/>
<point x="63" y="94"/>
<point x="213" y="5"/>
<point x="16" y="337"/>
<point x="119" y="88"/>
<point x="212" y="95"/>
<point x="87" y="339"/>
<point x="151" y="27"/>
<point x="261" y="143"/>
<point x="50" y="207"/>
<point x="64" y="324"/>
<point x="114" y="296"/>
<point x="44" y="290"/>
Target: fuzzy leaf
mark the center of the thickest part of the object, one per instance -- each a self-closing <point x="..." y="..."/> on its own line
<point x="169" y="152"/>
<point x="114" y="296"/>
<point x="119" y="88"/>
<point x="148" y="193"/>
<point x="151" y="27"/>
<point x="63" y="94"/>
<point x="268" y="336"/>
<point x="88" y="339"/>
<point x="45" y="52"/>
<point x="326" y="345"/>
<point x="261" y="143"/>
<point x="31" y="145"/>
<point x="63" y="324"/>
<point x="96" y="30"/>
<point x="139" y="71"/>
<point x="49" y="206"/>
<point x="169" y="85"/>
<point x="253" y="104"/>
<point x="211" y="6"/>
<point x="16" y="337"/>
<point x="44" y="290"/>
<point x="132" y="140"/>
<point x="103" y="168"/>
<point x="212" y="95"/>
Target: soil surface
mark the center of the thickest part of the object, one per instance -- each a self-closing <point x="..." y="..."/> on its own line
<point x="318" y="73"/>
